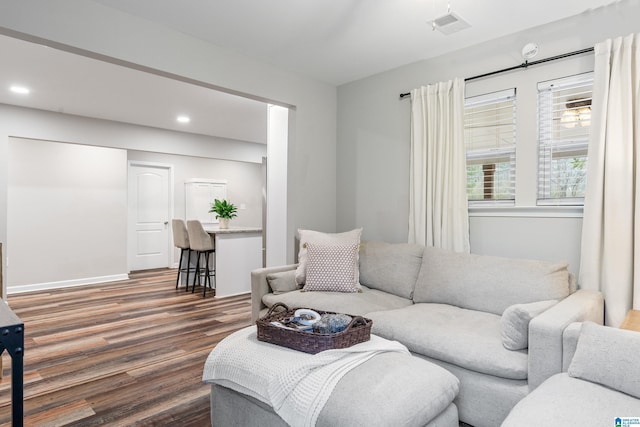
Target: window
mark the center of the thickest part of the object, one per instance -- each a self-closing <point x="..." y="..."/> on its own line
<point x="490" y="139"/>
<point x="564" y="123"/>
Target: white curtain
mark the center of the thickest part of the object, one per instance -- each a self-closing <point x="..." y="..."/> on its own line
<point x="610" y="258"/>
<point x="438" y="214"/>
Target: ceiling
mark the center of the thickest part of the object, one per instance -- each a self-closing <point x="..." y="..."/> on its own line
<point x="338" y="41"/>
<point x="328" y="40"/>
<point x="73" y="84"/>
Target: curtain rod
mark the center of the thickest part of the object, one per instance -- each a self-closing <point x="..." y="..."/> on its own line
<point x="524" y="65"/>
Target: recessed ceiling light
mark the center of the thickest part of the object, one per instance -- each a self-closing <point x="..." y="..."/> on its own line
<point x="19" y="89"/>
<point x="183" y="119"/>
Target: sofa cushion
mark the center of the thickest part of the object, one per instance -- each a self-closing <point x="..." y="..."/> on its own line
<point x="515" y="320"/>
<point x="310" y="236"/>
<point x="487" y="283"/>
<point x="283" y="281"/>
<point x="466" y="338"/>
<point x="390" y="267"/>
<point x="359" y="303"/>
<point x="332" y="268"/>
<point x="565" y="401"/>
<point x="610" y="357"/>
<point x="573" y="283"/>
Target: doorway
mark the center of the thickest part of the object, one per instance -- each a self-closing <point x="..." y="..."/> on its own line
<point x="149" y="204"/>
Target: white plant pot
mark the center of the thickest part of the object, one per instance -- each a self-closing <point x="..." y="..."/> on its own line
<point x="224" y="223"/>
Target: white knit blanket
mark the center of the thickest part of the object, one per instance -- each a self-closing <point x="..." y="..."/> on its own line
<point x="295" y="384"/>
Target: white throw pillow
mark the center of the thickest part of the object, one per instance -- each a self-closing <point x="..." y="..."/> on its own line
<point x="514" y="323"/>
<point x="317" y="237"/>
<point x="608" y="356"/>
<point x="331" y="268"/>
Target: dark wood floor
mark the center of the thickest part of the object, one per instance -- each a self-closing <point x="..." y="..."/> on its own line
<point x="121" y="354"/>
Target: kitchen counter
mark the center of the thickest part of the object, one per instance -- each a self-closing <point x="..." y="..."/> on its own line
<point x="214" y="229"/>
<point x="238" y="252"/>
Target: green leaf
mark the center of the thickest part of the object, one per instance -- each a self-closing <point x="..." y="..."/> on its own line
<point x="224" y="209"/>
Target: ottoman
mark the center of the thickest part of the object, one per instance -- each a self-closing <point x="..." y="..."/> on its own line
<point x="389" y="388"/>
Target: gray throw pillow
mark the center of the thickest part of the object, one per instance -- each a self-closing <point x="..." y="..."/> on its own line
<point x="514" y="323"/>
<point x="282" y="282"/>
<point x="573" y="283"/>
<point x="608" y="356"/>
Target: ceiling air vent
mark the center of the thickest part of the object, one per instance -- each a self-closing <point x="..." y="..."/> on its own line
<point x="449" y="23"/>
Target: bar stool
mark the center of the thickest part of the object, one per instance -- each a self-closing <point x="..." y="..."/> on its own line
<point x="181" y="241"/>
<point x="203" y="244"/>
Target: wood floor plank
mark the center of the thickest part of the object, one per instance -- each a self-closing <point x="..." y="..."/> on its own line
<point x="63" y="415"/>
<point x="123" y="353"/>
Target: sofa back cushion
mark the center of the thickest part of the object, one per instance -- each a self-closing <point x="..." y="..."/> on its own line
<point x="608" y="356"/>
<point x="390" y="267"/>
<point x="487" y="283"/>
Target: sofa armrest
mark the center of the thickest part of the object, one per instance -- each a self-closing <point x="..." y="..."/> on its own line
<point x="570" y="343"/>
<point x="260" y="287"/>
<point x="546" y="332"/>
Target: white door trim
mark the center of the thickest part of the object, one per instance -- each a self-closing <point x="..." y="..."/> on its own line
<point x="130" y="233"/>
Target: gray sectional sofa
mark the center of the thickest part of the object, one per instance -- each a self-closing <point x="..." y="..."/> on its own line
<point x="458" y="311"/>
<point x="601" y="385"/>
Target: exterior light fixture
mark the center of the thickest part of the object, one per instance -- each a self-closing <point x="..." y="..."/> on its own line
<point x="577" y="113"/>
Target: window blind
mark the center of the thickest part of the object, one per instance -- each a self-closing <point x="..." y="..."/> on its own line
<point x="490" y="139"/>
<point x="564" y="124"/>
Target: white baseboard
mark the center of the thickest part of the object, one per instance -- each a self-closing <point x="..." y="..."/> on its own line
<point x="232" y="295"/>
<point x="65" y="283"/>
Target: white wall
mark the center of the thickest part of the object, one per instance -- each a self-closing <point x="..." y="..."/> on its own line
<point x="68" y="213"/>
<point x="95" y="28"/>
<point x="374" y="137"/>
<point x="244" y="183"/>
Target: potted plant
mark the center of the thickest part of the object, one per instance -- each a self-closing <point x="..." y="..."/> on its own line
<point x="224" y="211"/>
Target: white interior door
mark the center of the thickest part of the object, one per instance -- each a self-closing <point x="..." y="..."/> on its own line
<point x="149" y="215"/>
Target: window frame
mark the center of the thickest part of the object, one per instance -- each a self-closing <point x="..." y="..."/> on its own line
<point x="549" y="148"/>
<point x="506" y="154"/>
